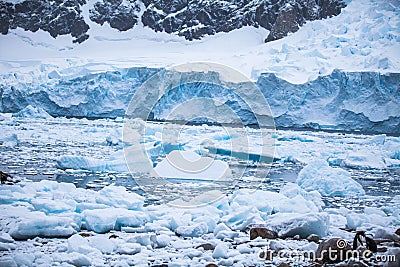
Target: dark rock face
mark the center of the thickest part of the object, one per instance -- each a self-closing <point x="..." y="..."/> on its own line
<point x="58" y="17"/>
<point x="119" y="16"/>
<point x="189" y="18"/>
<point x="194" y="19"/>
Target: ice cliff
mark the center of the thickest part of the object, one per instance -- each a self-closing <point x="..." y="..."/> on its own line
<point x="364" y="101"/>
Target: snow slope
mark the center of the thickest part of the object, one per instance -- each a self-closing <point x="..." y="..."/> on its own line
<point x="364" y="37"/>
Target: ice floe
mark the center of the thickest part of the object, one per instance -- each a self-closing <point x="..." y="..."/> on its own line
<point x="327" y="180"/>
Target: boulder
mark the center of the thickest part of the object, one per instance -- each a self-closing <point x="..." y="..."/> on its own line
<point x="263" y="233"/>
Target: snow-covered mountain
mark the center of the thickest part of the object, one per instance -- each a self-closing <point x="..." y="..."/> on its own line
<point x="191" y="19"/>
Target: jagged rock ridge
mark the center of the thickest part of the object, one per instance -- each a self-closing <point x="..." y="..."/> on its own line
<point x="58" y="17"/>
<point x="189" y="18"/>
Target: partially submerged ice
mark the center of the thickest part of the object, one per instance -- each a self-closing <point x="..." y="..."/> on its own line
<point x="327" y="180"/>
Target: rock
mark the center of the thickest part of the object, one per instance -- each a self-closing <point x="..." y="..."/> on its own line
<point x="118" y="15"/>
<point x="296" y="237"/>
<point x="54" y="17"/>
<point x="313" y="238"/>
<point x="85" y="234"/>
<point x="336" y="247"/>
<point x="195" y="19"/>
<point x="206" y="246"/>
<point x="211" y="265"/>
<point x="4" y="176"/>
<point x="397" y="232"/>
<point x="284" y="24"/>
<point x="283" y="264"/>
<point x="263" y="233"/>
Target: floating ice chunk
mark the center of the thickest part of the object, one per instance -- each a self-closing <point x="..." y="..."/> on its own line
<point x="78" y="243"/>
<point x="81" y="207"/>
<point x="24" y="259"/>
<point x="129" y="248"/>
<point x="193" y="230"/>
<point x="117" y="162"/>
<point x="222" y="231"/>
<point x="208" y="198"/>
<point x="7" y="246"/>
<point x="7" y="261"/>
<point x="118" y="196"/>
<point x="51" y="187"/>
<point x="38" y="224"/>
<point x="136" y="159"/>
<point x="220" y="251"/>
<point x="102" y="220"/>
<point x="54" y="206"/>
<point x="378" y="139"/>
<point x="6" y="238"/>
<point x="163" y="240"/>
<point x="189" y="165"/>
<point x="267" y="202"/>
<point x="241" y="217"/>
<point x="104" y="244"/>
<point x="291" y="190"/>
<point x="292" y="224"/>
<point x="364" y="160"/>
<point x="9" y="140"/>
<point x="78" y="259"/>
<point x="357" y="220"/>
<point x="81" y="163"/>
<point x="114" y="138"/>
<point x="262" y="200"/>
<point x="145" y="239"/>
<point x="130" y="156"/>
<point x="327" y="180"/>
<point x="12" y="194"/>
<point x="33" y="112"/>
<point x="131" y="218"/>
<point x="386" y="233"/>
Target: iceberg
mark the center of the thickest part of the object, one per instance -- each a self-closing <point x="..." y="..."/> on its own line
<point x="9" y="140"/>
<point x="328" y="181"/>
<point x="292" y="224"/>
<point x="81" y="163"/>
<point x="181" y="164"/>
<point x="38" y="224"/>
<point x="30" y="112"/>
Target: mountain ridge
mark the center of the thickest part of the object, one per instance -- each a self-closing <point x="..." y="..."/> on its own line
<point x="190" y="19"/>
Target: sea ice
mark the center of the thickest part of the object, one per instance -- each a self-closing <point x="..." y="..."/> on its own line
<point x="38" y="224"/>
<point x="292" y="224"/>
<point x="189" y="165"/>
<point x="81" y="163"/>
<point x="9" y="140"/>
<point x="31" y="112"/>
<point x="220" y="251"/>
<point x="118" y="196"/>
<point x="327" y="180"/>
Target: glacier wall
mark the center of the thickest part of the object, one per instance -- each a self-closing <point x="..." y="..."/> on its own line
<point x="364" y="101"/>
